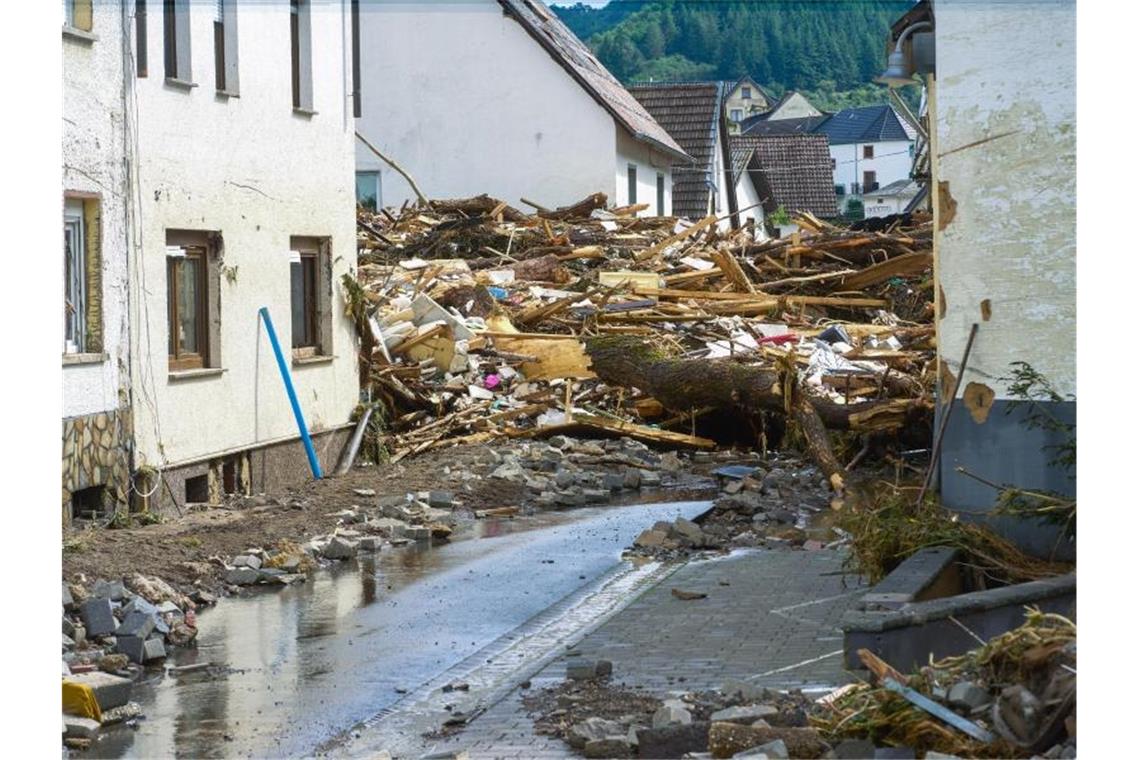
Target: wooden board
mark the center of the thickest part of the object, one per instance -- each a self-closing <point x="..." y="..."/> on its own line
<point x="555" y="357"/>
<point x="629" y="279"/>
<point x="638" y="432"/>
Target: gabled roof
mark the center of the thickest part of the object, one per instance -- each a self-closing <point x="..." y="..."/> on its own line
<point x="690" y="112"/>
<point x="760" y="125"/>
<point x="730" y="85"/>
<point x="793" y="171"/>
<point x="866" y="124"/>
<point x="573" y="55"/>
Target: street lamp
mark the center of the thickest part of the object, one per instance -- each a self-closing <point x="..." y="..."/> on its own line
<point x="899" y="72"/>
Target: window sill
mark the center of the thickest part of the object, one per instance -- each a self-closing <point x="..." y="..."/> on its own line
<point x="194" y="374"/>
<point x="180" y="84"/>
<point x="307" y="361"/>
<point x="81" y="35"/>
<point x="84" y="359"/>
<point x="306" y="112"/>
<point x="226" y="94"/>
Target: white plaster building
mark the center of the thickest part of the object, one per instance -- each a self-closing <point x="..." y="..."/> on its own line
<point x="93" y="340"/>
<point x="871" y="147"/>
<point x="499" y="97"/>
<point x="243" y="192"/>
<point x="890" y="199"/>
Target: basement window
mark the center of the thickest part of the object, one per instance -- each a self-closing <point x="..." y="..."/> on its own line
<point x="310" y="297"/>
<point x="631" y="175"/>
<point x="198" y="489"/>
<point x="176" y="42"/>
<point x="225" y="47"/>
<point x="88" y="503"/>
<point x="192" y="284"/>
<point x="83" y="275"/>
<point x="301" y="47"/>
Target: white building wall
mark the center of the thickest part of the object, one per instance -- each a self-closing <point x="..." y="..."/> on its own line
<point x="252" y="169"/>
<point x="93" y="163"/>
<point x="465" y="100"/>
<point x="649" y="163"/>
<point x="1005" y="129"/>
<point x="749" y="198"/>
<point x="891" y="162"/>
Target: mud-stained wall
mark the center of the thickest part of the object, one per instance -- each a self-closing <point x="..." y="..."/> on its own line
<point x="1006" y="165"/>
<point x="1004" y="141"/>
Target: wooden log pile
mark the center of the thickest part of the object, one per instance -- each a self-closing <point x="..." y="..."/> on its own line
<point x="479" y="321"/>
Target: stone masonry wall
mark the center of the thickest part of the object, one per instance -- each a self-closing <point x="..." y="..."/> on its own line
<point x="96" y="452"/>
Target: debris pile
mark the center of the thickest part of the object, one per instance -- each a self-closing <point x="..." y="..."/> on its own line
<point x="479" y="322"/>
<point x="1014" y="696"/>
<point x="110" y="631"/>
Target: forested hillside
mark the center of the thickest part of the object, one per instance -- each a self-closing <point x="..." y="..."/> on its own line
<point x="831" y="49"/>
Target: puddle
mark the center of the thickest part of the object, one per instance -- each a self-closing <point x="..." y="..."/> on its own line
<point x="296" y="666"/>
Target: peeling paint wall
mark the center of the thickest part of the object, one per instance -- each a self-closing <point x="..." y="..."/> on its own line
<point x="461" y="96"/>
<point x="1006" y="171"/>
<point x="258" y="173"/>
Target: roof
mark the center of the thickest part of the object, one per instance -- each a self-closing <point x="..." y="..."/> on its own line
<point x="573" y="55"/>
<point x="866" y="124"/>
<point x="901" y="187"/>
<point x="760" y="125"/>
<point x="690" y="112"/>
<point x="730" y="85"/>
<point x="791" y="170"/>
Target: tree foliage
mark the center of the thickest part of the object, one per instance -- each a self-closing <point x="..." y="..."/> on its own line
<point x="829" y="49"/>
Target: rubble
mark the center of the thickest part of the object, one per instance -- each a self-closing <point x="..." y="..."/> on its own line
<point x="479" y="322"/>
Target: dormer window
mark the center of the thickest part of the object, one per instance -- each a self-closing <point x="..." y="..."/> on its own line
<point x="746" y="93"/>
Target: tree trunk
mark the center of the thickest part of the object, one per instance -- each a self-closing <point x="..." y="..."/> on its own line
<point x="683" y="384"/>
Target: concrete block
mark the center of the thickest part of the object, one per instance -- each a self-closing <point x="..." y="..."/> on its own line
<point x="246" y="560"/>
<point x="113" y="590"/>
<point x="440" y="499"/>
<point x="68" y="602"/>
<point x="747" y="714"/>
<point x="98" y="617"/>
<point x="110" y="691"/>
<point x="75" y="727"/>
<point x="132" y="647"/>
<point x="242" y="576"/>
<point x="136" y="623"/>
<point x="775" y="750"/>
<point x="153" y="649"/>
<point x="670" y="715"/>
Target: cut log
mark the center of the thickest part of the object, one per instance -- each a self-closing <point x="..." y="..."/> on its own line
<point x="580" y="209"/>
<point x="546" y="268"/>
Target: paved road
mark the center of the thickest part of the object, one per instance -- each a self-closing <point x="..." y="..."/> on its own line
<point x="307" y="663"/>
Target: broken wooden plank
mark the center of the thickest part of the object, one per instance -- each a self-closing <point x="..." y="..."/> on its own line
<point x="655" y="250"/>
<point x="642" y="433"/>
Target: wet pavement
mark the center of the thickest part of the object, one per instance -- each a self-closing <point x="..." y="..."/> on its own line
<point x="297" y="667"/>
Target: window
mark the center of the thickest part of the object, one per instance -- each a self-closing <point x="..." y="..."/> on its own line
<point x="746" y="93"/>
<point x="79" y="14"/>
<point x="225" y="47"/>
<point x="356" y="59"/>
<point x="869" y="182"/>
<point x="737" y="114"/>
<point x="192" y="285"/>
<point x="910" y="150"/>
<point x="310" y="297"/>
<point x="660" y="194"/>
<point x="833" y="164"/>
<point x="868" y="151"/>
<point x="631" y="176"/>
<point x="176" y="40"/>
<point x="368" y="189"/>
<point x="82" y="276"/>
<point x="840" y="190"/>
<point x="301" y="47"/>
<point x="140" y="38"/>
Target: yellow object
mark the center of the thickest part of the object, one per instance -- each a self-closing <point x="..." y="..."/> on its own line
<point x="79" y="699"/>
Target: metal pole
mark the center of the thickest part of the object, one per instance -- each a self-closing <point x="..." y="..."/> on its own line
<point x="314" y="465"/>
<point x="936" y="452"/>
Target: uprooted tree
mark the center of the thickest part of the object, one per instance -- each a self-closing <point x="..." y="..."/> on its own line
<point x="683" y="384"/>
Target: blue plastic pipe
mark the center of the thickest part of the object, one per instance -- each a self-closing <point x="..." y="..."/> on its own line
<point x="314" y="465"/>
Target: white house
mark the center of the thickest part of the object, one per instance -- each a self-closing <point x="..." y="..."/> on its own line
<point x="242" y="198"/>
<point x="743" y="99"/>
<point x="890" y="199"/>
<point x="1005" y="240"/>
<point x="96" y="408"/>
<point x="871" y="147"/>
<point x="499" y="97"/>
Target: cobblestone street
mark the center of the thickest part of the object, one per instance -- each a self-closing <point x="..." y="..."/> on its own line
<point x="770" y="618"/>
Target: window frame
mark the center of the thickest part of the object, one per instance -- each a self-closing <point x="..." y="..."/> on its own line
<point x="79" y="15"/>
<point x="75" y="277"/>
<point x="660" y="194"/>
<point x="177" y="63"/>
<point x="746" y="93"/>
<point x="141" y="60"/>
<point x="301" y="55"/>
<point x="357" y="107"/>
<point x="190" y="360"/>
<point x="870" y="182"/>
<point x="308" y="344"/>
<point x="868" y="151"/>
<point x="317" y="293"/>
<point x="631" y="184"/>
<point x="374" y="176"/>
<point x="736" y="114"/>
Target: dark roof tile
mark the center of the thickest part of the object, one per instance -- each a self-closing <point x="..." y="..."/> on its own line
<point x="793" y="171"/>
<point x="867" y="124"/>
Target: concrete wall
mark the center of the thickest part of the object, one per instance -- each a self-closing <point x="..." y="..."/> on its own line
<point x="1004" y="114"/>
<point x="649" y="163"/>
<point x="255" y="171"/>
<point x="93" y="163"/>
<point x="463" y="98"/>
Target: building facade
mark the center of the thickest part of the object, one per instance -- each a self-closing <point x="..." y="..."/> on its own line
<point x="97" y="426"/>
<point x="540" y="119"/>
<point x="871" y="147"/>
<point x="1003" y="129"/>
<point x="244" y="186"/>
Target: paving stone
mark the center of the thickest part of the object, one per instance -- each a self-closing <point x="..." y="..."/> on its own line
<point x="854" y="749"/>
<point x="416" y="533"/>
<point x="673" y="741"/>
<point x="138" y="604"/>
<point x="131" y="646"/>
<point x="113" y="590"/>
<point x="771" y="751"/>
<point x="339" y="548"/>
<point x="440" y="499"/>
<point x="242" y="576"/>
<point x="98" y="617"/>
<point x="77" y="727"/>
<point x="136" y="623"/>
<point x="246" y="560"/>
<point x="153" y="649"/>
<point x="110" y="691"/>
<point x="591" y="729"/>
<point x="747" y="714"/>
<point x="586" y="669"/>
<point x="671" y="714"/>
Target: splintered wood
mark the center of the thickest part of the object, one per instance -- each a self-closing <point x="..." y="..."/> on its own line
<point x="484" y="321"/>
